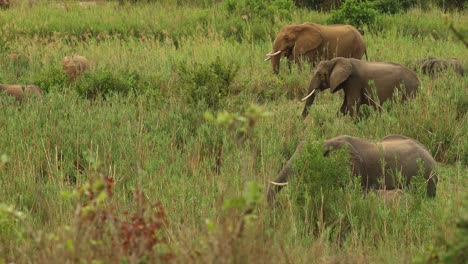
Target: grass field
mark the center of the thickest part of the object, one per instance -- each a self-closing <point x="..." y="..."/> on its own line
<point x="137" y="174"/>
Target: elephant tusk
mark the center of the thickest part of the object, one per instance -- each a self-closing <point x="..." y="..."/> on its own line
<point x="273" y="54"/>
<point x="267" y="59"/>
<point x="279" y="183"/>
<point x="309" y="95"/>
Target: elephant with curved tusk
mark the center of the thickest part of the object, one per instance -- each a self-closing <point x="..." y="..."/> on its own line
<point x="314" y="42"/>
<point x="357" y="79"/>
<point x="377" y="162"/>
<point x="20" y="91"/>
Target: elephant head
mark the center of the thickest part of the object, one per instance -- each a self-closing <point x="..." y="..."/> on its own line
<point x="329" y="74"/>
<point x="293" y="41"/>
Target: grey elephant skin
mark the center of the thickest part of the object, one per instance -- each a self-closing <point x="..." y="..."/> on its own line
<point x="375" y="161"/>
<point x="357" y="79"/>
<point x="434" y="66"/>
<point x="20" y="91"/>
<point x="314" y="42"/>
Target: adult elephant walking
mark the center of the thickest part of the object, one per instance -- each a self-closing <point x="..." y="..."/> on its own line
<point x="377" y="162"/>
<point x="314" y="42"/>
<point x="357" y="79"/>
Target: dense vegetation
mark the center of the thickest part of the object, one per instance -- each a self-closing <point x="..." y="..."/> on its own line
<point x="157" y="152"/>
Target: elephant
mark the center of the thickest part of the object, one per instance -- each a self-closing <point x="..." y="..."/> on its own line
<point x="4" y="4"/>
<point x="74" y="66"/>
<point x="314" y="42"/>
<point x="355" y="77"/>
<point x="376" y="162"/>
<point x="20" y="91"/>
<point x="432" y="66"/>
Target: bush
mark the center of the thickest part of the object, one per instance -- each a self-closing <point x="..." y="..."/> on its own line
<point x="50" y="78"/>
<point x="208" y="83"/>
<point x="356" y="13"/>
<point x="319" y="187"/>
<point x="383" y="6"/>
<point x="260" y="9"/>
<point x="104" y="83"/>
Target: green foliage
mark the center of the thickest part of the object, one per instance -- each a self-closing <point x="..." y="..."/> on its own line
<point x="155" y="140"/>
<point x="251" y="198"/>
<point x="386" y="6"/>
<point x="208" y="83"/>
<point x="50" y="78"/>
<point x="393" y="7"/>
<point x="355" y="12"/>
<point x="320" y="187"/>
<point x="242" y="125"/>
<point x="10" y="229"/>
<point x="104" y="83"/>
<point x="260" y="9"/>
<point x="451" y="249"/>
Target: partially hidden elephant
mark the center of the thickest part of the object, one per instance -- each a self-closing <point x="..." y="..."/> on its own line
<point x="314" y="42"/>
<point x="360" y="81"/>
<point x="74" y="66"/>
<point x="377" y="162"/>
<point x="20" y="91"/>
<point x="434" y="66"/>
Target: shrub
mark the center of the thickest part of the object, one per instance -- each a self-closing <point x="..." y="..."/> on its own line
<point x="104" y="83"/>
<point x="319" y="187"/>
<point x="383" y="6"/>
<point x="208" y="83"/>
<point x="393" y="6"/>
<point x="356" y="13"/>
<point x="50" y="78"/>
<point x="260" y="9"/>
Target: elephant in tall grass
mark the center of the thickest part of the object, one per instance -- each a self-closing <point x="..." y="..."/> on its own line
<point x="360" y="81"/>
<point x="74" y="66"/>
<point x="314" y="42"/>
<point x="20" y="91"/>
<point x="377" y="162"/>
<point x="433" y="66"/>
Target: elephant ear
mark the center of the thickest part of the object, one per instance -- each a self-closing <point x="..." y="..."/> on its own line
<point x="307" y="39"/>
<point x="339" y="73"/>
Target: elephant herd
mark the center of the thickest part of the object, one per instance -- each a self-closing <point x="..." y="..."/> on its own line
<point x="336" y="52"/>
<point x="73" y="67"/>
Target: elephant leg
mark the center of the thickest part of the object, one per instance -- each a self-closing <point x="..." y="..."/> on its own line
<point x="289" y="65"/>
<point x="353" y="105"/>
<point x="344" y="108"/>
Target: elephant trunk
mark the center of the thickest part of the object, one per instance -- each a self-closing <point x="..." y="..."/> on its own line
<point x="283" y="176"/>
<point x="275" y="62"/>
<point x="275" y="188"/>
<point x="313" y="90"/>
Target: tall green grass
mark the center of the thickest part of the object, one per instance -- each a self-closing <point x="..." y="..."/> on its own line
<point x="154" y="138"/>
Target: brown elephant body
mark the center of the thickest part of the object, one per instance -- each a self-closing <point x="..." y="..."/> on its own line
<point x="20" y="91"/>
<point x="74" y="66"/>
<point x="377" y="162"/>
<point x="433" y="66"/>
<point x="370" y="83"/>
<point x="313" y="42"/>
